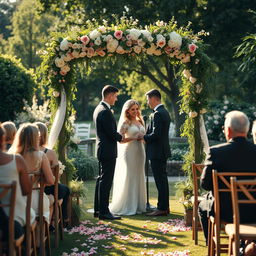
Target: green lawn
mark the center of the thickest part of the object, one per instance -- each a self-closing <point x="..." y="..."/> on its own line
<point x="137" y="232"/>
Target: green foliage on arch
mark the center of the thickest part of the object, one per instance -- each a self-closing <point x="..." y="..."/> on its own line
<point x="128" y="40"/>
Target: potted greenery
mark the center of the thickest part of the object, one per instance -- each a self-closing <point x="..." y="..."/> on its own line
<point x="184" y="191"/>
<point x="78" y="192"/>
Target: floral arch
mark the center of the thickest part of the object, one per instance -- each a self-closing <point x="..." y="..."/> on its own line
<point x="127" y="38"/>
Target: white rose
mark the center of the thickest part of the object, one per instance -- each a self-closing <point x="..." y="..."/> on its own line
<point x="137" y="49"/>
<point x="146" y="34"/>
<point x="56" y="94"/>
<point x="102" y="29"/>
<point x="112" y="45"/>
<point x="175" y="40"/>
<point x="108" y="38"/>
<point x="59" y="62"/>
<point x="64" y="44"/>
<point x="186" y="73"/>
<point x="94" y="34"/>
<point x="97" y="41"/>
<point x="160" y="41"/>
<point x="134" y="34"/>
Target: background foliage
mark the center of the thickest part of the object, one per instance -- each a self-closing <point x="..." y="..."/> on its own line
<point x="16" y="84"/>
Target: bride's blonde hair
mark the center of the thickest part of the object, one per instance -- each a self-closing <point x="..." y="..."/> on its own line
<point x="126" y="107"/>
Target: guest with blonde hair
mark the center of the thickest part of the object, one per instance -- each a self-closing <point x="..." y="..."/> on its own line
<point x="10" y="131"/>
<point x="63" y="190"/>
<point x="26" y="143"/>
<point x="14" y="168"/>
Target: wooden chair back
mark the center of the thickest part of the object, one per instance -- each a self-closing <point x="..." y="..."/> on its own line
<point x="197" y="170"/>
<point x="10" y="189"/>
<point x="222" y="178"/>
<point x="247" y="195"/>
<point x="38" y="185"/>
<point x="30" y="227"/>
<point x="58" y="221"/>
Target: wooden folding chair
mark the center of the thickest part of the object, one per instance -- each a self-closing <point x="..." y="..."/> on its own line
<point x="237" y="231"/>
<point x="45" y="242"/>
<point x="30" y="227"/>
<point x="58" y="220"/>
<point x="216" y="247"/>
<point x="197" y="170"/>
<point x="14" y="245"/>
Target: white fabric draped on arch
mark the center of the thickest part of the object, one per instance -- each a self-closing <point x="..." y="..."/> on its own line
<point x="58" y="120"/>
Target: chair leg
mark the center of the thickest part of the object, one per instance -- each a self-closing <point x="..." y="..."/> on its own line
<point x="48" y="238"/>
<point x="56" y="224"/>
<point x="61" y="223"/>
<point x="209" y="242"/>
<point x="33" y="242"/>
<point x="196" y="228"/>
<point x="230" y="242"/>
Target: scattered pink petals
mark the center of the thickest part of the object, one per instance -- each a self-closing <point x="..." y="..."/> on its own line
<point x="173" y="225"/>
<point x="175" y="253"/>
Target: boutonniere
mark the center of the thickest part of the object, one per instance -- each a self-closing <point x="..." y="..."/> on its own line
<point x="112" y="110"/>
<point x="151" y="116"/>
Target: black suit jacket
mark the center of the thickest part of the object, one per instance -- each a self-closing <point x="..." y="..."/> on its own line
<point x="237" y="155"/>
<point x="106" y="132"/>
<point x="157" y="136"/>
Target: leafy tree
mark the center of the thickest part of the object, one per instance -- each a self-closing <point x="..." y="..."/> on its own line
<point x="16" y="85"/>
<point x="6" y="11"/>
<point x="30" y="32"/>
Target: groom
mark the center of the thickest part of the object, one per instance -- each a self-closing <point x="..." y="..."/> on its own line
<point x="106" y="140"/>
<point x="158" y="149"/>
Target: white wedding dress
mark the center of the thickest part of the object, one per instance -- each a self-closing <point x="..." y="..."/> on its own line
<point x="129" y="190"/>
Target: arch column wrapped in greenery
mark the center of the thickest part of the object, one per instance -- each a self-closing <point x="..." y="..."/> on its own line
<point x="127" y="39"/>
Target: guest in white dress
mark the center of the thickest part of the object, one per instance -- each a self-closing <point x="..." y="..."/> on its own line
<point x="129" y="190"/>
<point x="13" y="168"/>
<point x="26" y="143"/>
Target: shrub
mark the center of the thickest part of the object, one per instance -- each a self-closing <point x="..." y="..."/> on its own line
<point x="214" y="119"/>
<point x="16" y="85"/>
<point x="86" y="166"/>
<point x="178" y="151"/>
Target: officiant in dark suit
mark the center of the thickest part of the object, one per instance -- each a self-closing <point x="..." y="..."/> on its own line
<point x="158" y="149"/>
<point x="106" y="143"/>
<point x="237" y="155"/>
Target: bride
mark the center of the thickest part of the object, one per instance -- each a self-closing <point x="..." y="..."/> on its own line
<point x="129" y="190"/>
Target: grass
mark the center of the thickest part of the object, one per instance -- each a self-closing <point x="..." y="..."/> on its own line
<point x="137" y="224"/>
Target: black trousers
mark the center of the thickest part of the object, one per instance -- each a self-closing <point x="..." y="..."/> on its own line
<point x="158" y="167"/>
<point x="103" y="185"/>
<point x="63" y="193"/>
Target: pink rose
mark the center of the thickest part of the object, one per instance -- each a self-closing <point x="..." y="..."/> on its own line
<point x="118" y="34"/>
<point x="192" y="48"/>
<point x="85" y="40"/>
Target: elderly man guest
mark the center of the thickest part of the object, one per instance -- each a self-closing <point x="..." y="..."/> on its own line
<point x="236" y="155"/>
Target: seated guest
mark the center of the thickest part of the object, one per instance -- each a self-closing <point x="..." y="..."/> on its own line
<point x="13" y="168"/>
<point x="237" y="155"/>
<point x="64" y="191"/>
<point x="10" y="131"/>
<point x="26" y="143"/>
<point x="254" y="132"/>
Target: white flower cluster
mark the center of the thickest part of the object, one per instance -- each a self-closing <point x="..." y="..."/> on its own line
<point x="104" y="41"/>
<point x="61" y="168"/>
<point x="34" y="113"/>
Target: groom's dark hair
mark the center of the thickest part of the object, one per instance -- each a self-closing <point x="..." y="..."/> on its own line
<point x="153" y="93"/>
<point x="107" y="89"/>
